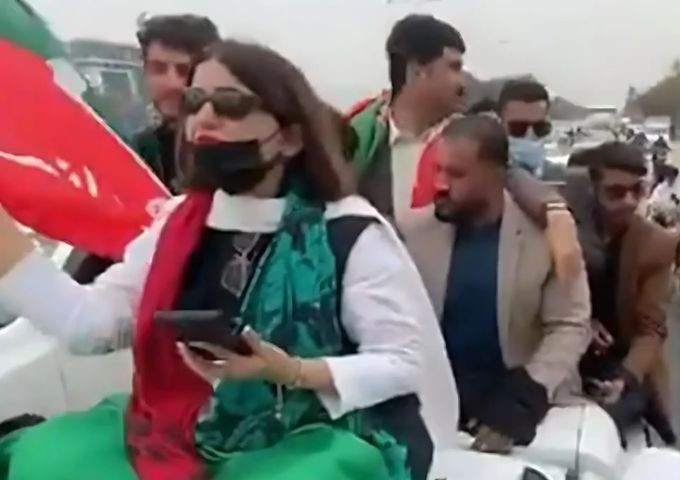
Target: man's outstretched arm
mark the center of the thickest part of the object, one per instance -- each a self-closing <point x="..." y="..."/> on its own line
<point x="548" y="209"/>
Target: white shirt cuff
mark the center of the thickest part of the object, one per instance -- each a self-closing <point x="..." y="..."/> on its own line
<point x="367" y="379"/>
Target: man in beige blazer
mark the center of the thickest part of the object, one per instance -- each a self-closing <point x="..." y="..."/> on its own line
<point x="514" y="332"/>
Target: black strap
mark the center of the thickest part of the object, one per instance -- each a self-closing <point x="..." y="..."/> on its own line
<point x="343" y="233"/>
<point x="401" y="417"/>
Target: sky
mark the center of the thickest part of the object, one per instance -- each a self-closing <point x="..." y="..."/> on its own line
<point x="589" y="51"/>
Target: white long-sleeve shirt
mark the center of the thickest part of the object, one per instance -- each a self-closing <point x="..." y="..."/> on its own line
<point x="383" y="302"/>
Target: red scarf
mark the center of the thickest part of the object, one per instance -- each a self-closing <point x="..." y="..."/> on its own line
<point x="167" y="395"/>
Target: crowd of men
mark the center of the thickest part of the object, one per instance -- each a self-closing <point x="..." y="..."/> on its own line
<point x="519" y="275"/>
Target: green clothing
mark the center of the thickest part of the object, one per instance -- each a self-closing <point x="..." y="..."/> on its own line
<point x="250" y="430"/>
<point x="371" y="127"/>
<point x="91" y="446"/>
<point x="156" y="147"/>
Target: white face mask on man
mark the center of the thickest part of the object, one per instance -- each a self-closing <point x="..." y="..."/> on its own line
<point x="528" y="153"/>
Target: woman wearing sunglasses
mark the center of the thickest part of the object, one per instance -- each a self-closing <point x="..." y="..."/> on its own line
<point x="317" y="319"/>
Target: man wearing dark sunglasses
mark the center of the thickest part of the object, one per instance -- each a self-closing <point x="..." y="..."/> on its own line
<point x="629" y="261"/>
<point x="171" y="45"/>
<point x="523" y="107"/>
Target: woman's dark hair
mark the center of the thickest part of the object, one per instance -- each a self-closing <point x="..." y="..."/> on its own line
<point x="350" y="139"/>
<point x="287" y="95"/>
<point x="421" y="39"/>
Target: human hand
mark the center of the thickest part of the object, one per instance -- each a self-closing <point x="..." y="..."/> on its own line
<point x="14" y="245"/>
<point x="602" y="339"/>
<point x="515" y="408"/>
<point x="565" y="247"/>
<point x="489" y="441"/>
<point x="267" y="362"/>
<point x="608" y="392"/>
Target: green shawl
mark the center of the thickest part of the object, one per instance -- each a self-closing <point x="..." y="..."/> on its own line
<point x="292" y="302"/>
<point x="247" y="432"/>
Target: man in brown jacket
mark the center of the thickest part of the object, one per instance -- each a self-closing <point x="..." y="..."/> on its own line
<point x="514" y="332"/>
<point x="629" y="261"/>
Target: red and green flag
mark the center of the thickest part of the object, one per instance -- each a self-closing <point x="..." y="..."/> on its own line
<point x="63" y="172"/>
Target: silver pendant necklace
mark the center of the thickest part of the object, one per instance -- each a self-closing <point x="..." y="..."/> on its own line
<point x="234" y="279"/>
<point x="237" y="270"/>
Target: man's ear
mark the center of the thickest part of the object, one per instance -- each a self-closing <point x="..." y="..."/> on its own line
<point x="291" y="140"/>
<point x="413" y="72"/>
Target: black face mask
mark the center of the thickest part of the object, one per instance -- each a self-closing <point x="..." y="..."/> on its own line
<point x="235" y="167"/>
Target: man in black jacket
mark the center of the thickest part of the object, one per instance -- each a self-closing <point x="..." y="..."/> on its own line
<point x="171" y="45"/>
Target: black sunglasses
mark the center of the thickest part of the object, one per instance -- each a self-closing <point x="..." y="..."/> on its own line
<point x="519" y="128"/>
<point x="227" y="102"/>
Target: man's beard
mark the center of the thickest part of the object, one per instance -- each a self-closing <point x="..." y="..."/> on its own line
<point x="447" y="211"/>
<point x="619" y="219"/>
